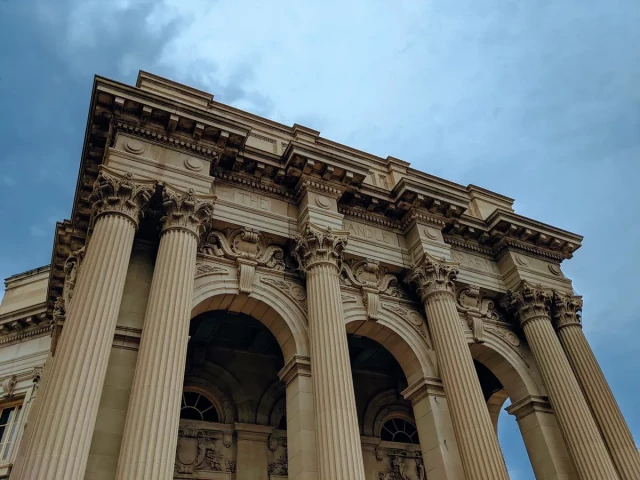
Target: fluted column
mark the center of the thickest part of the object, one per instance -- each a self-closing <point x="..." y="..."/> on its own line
<point x="65" y="422"/>
<point x="477" y="442"/>
<point x="604" y="407"/>
<point x="151" y="429"/>
<point x="319" y="253"/>
<point x="532" y="304"/>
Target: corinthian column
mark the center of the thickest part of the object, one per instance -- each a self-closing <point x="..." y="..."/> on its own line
<point x="151" y="429"/>
<point x="604" y="407"/>
<point x="531" y="304"/>
<point x="477" y="442"/>
<point x="319" y="253"/>
<point x="64" y="425"/>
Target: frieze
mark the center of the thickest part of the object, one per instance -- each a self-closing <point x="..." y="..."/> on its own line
<point x="370" y="233"/>
<point x="473" y="261"/>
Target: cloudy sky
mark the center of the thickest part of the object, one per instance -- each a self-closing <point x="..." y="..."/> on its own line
<point x="535" y="99"/>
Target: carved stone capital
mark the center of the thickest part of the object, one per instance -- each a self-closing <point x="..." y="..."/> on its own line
<point x="528" y="301"/>
<point x="183" y="211"/>
<point x="317" y="245"/>
<point x="566" y="309"/>
<point x="119" y="195"/>
<point x="433" y="275"/>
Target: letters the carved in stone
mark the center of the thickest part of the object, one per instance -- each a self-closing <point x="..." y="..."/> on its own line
<point x="404" y="465"/>
<point x="528" y="301"/>
<point x="566" y="309"/>
<point x="433" y="275"/>
<point x="197" y="450"/>
<point x="249" y="248"/>
<point x="182" y="210"/>
<point x="317" y="245"/>
<point x="119" y="195"/>
<point x="476" y="309"/>
<point x="373" y="280"/>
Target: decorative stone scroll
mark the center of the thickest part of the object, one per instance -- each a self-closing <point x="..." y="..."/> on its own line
<point x="249" y="248"/>
<point x="433" y="275"/>
<point x="59" y="314"/>
<point x="404" y="465"/>
<point x="201" y="450"/>
<point x="293" y="290"/>
<point x="208" y="269"/>
<point x="120" y="195"/>
<point x="71" y="266"/>
<point x="566" y="310"/>
<point x="373" y="280"/>
<point x="8" y="386"/>
<point x="316" y="245"/>
<point x="182" y="210"/>
<point x="476" y="309"/>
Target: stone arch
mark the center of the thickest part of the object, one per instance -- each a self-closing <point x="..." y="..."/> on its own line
<point x="403" y="341"/>
<point x="212" y="374"/>
<point x="494" y="404"/>
<point x="268" y="402"/>
<point x="223" y="402"/>
<point x="518" y="376"/>
<point x="277" y="303"/>
<point x="379" y="409"/>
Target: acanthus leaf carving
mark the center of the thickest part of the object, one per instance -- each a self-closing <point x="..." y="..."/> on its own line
<point x="117" y="194"/>
<point x="433" y="275"/>
<point x="208" y="269"/>
<point x="528" y="301"/>
<point x="404" y="465"/>
<point x="197" y="450"/>
<point x="317" y="245"/>
<point x="566" y="309"/>
<point x="280" y="466"/>
<point x="249" y="248"/>
<point x="183" y="210"/>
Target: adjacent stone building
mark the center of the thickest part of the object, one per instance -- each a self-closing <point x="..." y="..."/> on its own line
<point x="233" y="298"/>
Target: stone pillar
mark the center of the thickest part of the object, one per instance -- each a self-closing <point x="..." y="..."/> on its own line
<point x="604" y="407"/>
<point x="477" y="441"/>
<point x="437" y="440"/>
<point x="301" y="420"/>
<point x="151" y="429"/>
<point x="531" y="304"/>
<point x="64" y="425"/>
<point x="319" y="253"/>
<point x="252" y="459"/>
<point x="540" y="432"/>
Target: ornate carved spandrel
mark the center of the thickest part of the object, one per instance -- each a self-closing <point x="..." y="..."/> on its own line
<point x="433" y="275"/>
<point x="249" y="248"/>
<point x="121" y="195"/>
<point x="566" y="309"/>
<point x="403" y="465"/>
<point x="203" y="450"/>
<point x="184" y="211"/>
<point x="317" y="245"/>
<point x="293" y="290"/>
<point x="373" y="280"/>
<point x="475" y="308"/>
<point x="528" y="301"/>
<point x="208" y="269"/>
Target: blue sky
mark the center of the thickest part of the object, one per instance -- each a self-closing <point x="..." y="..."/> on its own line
<point x="535" y="99"/>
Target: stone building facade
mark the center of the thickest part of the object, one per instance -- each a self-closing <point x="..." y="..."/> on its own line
<point x="233" y="298"/>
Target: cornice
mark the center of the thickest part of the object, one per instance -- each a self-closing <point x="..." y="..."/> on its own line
<point x="373" y="218"/>
<point x="16" y="337"/>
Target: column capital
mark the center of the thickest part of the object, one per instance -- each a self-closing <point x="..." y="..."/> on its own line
<point x="184" y="211"/>
<point x="433" y="275"/>
<point x="318" y="245"/>
<point x="298" y="365"/>
<point x="566" y="310"/>
<point x="529" y="404"/>
<point x="115" y="194"/>
<point x="422" y="388"/>
<point x="528" y="301"/>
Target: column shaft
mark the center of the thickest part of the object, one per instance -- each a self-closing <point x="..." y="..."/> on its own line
<point x="583" y="439"/>
<point x="151" y="429"/>
<point x="477" y="442"/>
<point x="339" y="449"/>
<point x="608" y="416"/>
<point x="64" y="425"/>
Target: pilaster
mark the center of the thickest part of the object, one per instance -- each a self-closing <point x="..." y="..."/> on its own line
<point x="252" y="459"/>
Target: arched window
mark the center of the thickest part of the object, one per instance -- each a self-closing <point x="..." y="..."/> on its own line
<point x="399" y="430"/>
<point x="196" y="406"/>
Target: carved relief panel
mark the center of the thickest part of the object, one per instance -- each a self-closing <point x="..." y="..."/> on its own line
<point x="204" y="453"/>
<point x="401" y="465"/>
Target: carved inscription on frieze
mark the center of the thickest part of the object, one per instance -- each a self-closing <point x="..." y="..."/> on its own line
<point x="252" y="200"/>
<point x="474" y="261"/>
<point x="367" y="232"/>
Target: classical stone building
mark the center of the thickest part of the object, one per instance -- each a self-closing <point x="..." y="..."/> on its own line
<point x="237" y="299"/>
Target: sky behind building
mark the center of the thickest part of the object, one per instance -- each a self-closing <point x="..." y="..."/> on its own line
<point x="537" y="100"/>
